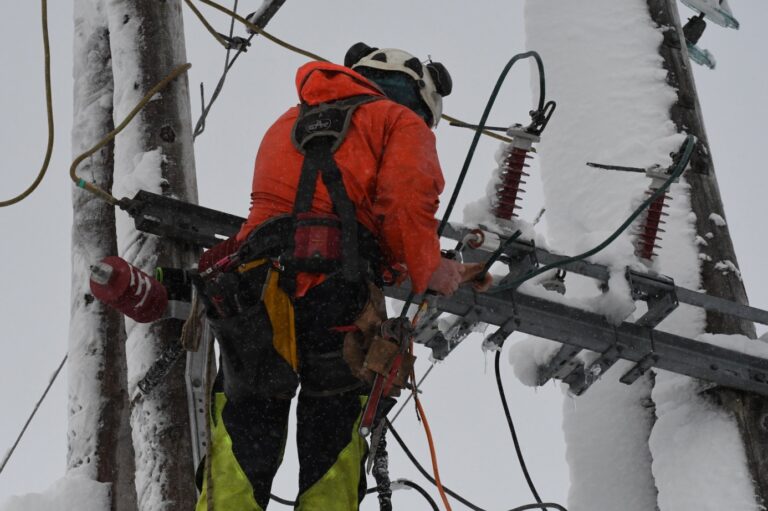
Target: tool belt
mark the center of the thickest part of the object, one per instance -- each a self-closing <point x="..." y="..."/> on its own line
<point x="370" y="350"/>
<point x="311" y="243"/>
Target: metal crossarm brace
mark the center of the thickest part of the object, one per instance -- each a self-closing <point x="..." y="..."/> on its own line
<point x="602" y="273"/>
<point x="511" y="310"/>
<point x="179" y="220"/>
<point x="590" y="331"/>
<point x="658" y="291"/>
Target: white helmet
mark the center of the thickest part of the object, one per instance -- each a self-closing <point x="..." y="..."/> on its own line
<point x="432" y="79"/>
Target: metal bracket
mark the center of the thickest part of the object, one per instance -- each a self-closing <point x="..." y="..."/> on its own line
<point x="179" y="220"/>
<point x="442" y="343"/>
<point x="639" y="369"/>
<point x="596" y="369"/>
<point x="520" y="258"/>
<point x="496" y="340"/>
<point x="197" y="379"/>
<point x="657" y="291"/>
<point x="177" y="310"/>
<point x="559" y="367"/>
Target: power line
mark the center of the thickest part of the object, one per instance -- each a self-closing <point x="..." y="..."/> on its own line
<point x="32" y="415"/>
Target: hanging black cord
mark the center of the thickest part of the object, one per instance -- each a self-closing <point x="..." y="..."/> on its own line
<point x="410" y="484"/>
<point x="374" y="489"/>
<point x="515" y="440"/>
<point x="425" y="473"/>
<point x="680" y="159"/>
<point x="543" y="505"/>
<point x="407" y="451"/>
<point x="422" y="491"/>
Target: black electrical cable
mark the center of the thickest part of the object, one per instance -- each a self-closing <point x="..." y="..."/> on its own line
<point x="543" y="505"/>
<point x="419" y="489"/>
<point x="484" y="119"/>
<point x="678" y="169"/>
<point x="373" y="489"/>
<point x="515" y="440"/>
<point x="420" y="468"/>
<point x="425" y="473"/>
<point x="284" y="502"/>
<point x="479" y="130"/>
<point x="410" y="484"/>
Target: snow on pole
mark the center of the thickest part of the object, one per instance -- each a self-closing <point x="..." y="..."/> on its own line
<point x="614" y="104"/>
<point x="154" y="153"/>
<point x="604" y="70"/>
<point x="99" y="446"/>
<point x="737" y="455"/>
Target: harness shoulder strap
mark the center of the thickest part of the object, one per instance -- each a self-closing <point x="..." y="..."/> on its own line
<point x="318" y="132"/>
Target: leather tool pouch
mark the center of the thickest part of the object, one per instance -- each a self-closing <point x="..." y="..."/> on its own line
<point x="367" y="352"/>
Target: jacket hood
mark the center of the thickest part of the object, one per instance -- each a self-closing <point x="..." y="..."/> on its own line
<point x="320" y="82"/>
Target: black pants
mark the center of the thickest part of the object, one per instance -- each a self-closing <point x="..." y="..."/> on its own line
<point x="256" y="386"/>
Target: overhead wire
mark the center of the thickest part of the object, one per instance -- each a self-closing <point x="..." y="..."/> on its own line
<point x="260" y="31"/>
<point x="257" y="29"/>
<point x="206" y="24"/>
<point x="228" y="64"/>
<point x="51" y="381"/>
<point x="49" y="113"/>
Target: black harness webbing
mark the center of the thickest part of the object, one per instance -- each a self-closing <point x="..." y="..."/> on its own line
<point x="318" y="132"/>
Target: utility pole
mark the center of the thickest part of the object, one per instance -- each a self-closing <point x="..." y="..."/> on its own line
<point x="154" y="153"/>
<point x="99" y="443"/>
<point x="719" y="269"/>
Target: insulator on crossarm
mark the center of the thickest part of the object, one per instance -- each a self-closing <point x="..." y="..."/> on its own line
<point x="649" y="233"/>
<point x="511" y="174"/>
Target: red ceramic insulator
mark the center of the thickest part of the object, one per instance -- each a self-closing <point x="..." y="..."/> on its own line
<point x="650" y="231"/>
<point x="126" y="288"/>
<point x="508" y="190"/>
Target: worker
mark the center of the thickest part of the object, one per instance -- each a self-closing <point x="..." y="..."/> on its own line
<point x="344" y="196"/>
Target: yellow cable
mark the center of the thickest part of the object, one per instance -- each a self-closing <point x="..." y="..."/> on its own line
<point x="49" y="111"/>
<point x="262" y="32"/>
<point x="485" y="132"/>
<point x="101" y="193"/>
<point x="206" y="24"/>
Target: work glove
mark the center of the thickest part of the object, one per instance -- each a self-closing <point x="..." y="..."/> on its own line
<point x="481" y="280"/>
<point x="217" y="252"/>
<point x="450" y="274"/>
<point x="446" y="278"/>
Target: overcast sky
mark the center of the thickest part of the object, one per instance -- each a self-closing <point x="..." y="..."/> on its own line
<point x="474" y="42"/>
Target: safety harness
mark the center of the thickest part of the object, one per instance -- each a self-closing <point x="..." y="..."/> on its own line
<point x="305" y="241"/>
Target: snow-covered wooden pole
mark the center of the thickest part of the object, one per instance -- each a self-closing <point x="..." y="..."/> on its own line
<point x="720" y="275"/>
<point x="99" y="442"/>
<point x="660" y="443"/>
<point x="155" y="154"/>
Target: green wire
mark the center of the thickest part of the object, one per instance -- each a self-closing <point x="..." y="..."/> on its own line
<point x="690" y="141"/>
<point x="481" y="126"/>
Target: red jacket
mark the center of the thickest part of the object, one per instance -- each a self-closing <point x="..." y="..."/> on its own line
<point x="388" y="163"/>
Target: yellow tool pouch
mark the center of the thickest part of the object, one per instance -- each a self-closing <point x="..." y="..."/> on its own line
<point x="254" y="321"/>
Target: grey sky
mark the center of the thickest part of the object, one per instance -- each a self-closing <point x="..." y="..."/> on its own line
<point x="474" y="39"/>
